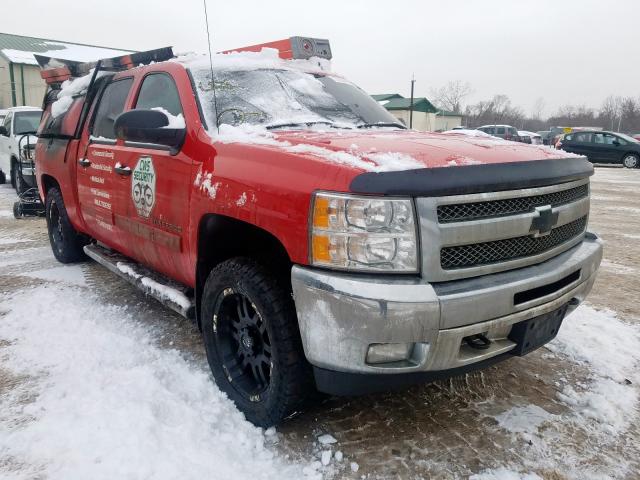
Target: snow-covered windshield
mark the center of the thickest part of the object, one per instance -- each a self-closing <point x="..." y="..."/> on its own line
<point x="287" y="98"/>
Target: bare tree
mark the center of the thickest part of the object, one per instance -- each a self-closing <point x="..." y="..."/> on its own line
<point x="538" y="109"/>
<point x="451" y="95"/>
<point x="611" y="110"/>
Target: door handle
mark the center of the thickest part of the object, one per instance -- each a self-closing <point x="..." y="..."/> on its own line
<point x="122" y="170"/>
<point x="84" y="162"/>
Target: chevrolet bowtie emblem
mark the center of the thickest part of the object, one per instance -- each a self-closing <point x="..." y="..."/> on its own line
<point x="544" y="221"/>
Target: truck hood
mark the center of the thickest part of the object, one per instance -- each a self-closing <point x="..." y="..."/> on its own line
<point x="393" y="150"/>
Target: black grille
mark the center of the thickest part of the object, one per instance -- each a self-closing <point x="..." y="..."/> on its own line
<point x="462" y="212"/>
<point x="466" y="256"/>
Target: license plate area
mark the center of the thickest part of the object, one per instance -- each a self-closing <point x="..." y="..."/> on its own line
<point x="535" y="332"/>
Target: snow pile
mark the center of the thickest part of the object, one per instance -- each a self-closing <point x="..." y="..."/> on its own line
<point x="266" y="58"/>
<point x="395" y="161"/>
<point x="166" y="293"/>
<point x="175" y="121"/>
<point x="71" y="88"/>
<point x="504" y="474"/>
<point x="610" y="398"/>
<point x="524" y="419"/>
<point x="69" y="274"/>
<point x="469" y="133"/>
<point x="105" y="402"/>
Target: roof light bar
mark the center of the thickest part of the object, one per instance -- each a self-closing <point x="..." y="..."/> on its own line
<point x="293" y="48"/>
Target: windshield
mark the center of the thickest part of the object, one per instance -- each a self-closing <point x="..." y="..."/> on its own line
<point x="26" y="122"/>
<point x="627" y="138"/>
<point x="273" y="98"/>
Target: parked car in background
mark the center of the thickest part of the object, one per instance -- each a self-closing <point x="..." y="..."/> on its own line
<point x="603" y="147"/>
<point x="506" y="132"/>
<point x="636" y="136"/>
<point x="17" y="122"/>
<point x="545" y="135"/>
<point x="529" y="137"/>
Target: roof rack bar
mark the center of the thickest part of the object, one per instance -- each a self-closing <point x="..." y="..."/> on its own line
<point x="56" y="70"/>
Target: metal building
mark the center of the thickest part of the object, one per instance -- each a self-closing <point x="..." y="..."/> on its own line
<point x="20" y="82"/>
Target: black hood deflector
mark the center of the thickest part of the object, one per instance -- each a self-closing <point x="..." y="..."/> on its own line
<point x="461" y="180"/>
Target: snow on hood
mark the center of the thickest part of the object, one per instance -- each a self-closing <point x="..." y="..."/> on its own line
<point x="384" y="150"/>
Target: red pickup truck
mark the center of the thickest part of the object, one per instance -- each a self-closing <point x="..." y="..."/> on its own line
<point x="316" y="242"/>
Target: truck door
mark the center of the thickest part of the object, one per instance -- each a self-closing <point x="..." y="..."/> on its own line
<point x="97" y="158"/>
<point x="156" y="187"/>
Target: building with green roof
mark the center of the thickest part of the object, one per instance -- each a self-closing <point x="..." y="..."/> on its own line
<point x="20" y="82"/>
<point x="426" y="116"/>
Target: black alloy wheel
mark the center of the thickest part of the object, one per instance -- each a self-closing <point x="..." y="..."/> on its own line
<point x="243" y="342"/>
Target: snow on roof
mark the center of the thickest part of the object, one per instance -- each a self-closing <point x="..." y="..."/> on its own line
<point x="266" y="58"/>
<point x="21" y="50"/>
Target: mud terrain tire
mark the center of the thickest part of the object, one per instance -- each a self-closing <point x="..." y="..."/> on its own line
<point x="66" y="242"/>
<point x="253" y="345"/>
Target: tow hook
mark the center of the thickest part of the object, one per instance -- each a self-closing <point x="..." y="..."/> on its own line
<point x="478" y="341"/>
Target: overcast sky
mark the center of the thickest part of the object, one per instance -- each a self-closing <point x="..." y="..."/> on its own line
<point x="566" y="51"/>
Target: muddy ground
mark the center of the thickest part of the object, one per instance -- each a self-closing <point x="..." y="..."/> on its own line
<point x="442" y="430"/>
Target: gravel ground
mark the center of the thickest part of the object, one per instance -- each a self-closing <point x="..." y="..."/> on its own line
<point x="469" y="426"/>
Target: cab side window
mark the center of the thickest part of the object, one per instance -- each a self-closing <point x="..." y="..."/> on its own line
<point x="158" y="90"/>
<point x="111" y="105"/>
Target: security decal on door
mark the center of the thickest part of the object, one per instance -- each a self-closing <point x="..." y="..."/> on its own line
<point x="143" y="186"/>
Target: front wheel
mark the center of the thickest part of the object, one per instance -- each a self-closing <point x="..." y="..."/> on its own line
<point x="631" y="161"/>
<point x="252" y="341"/>
<point x="67" y="244"/>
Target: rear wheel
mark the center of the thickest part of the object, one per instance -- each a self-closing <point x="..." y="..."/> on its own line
<point x="66" y="242"/>
<point x="631" y="160"/>
<point x="19" y="182"/>
<point x="12" y="174"/>
<point x="3" y="178"/>
<point x="253" y="345"/>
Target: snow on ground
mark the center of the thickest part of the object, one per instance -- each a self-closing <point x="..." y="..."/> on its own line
<point x="609" y="398"/>
<point x="504" y="474"/>
<point x="606" y="404"/>
<point x="104" y="402"/>
<point x="67" y="274"/>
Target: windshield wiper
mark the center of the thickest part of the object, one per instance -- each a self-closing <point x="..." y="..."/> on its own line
<point x="298" y="124"/>
<point x="382" y="124"/>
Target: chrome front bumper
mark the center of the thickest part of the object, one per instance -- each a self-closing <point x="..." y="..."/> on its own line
<point x="341" y="315"/>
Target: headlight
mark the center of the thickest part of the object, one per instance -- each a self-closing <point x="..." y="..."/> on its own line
<point x="363" y="233"/>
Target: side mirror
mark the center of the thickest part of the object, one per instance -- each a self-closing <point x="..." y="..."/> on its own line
<point x="149" y="126"/>
<point x="3" y="131"/>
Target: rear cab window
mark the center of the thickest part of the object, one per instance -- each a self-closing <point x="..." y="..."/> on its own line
<point x="111" y="104"/>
